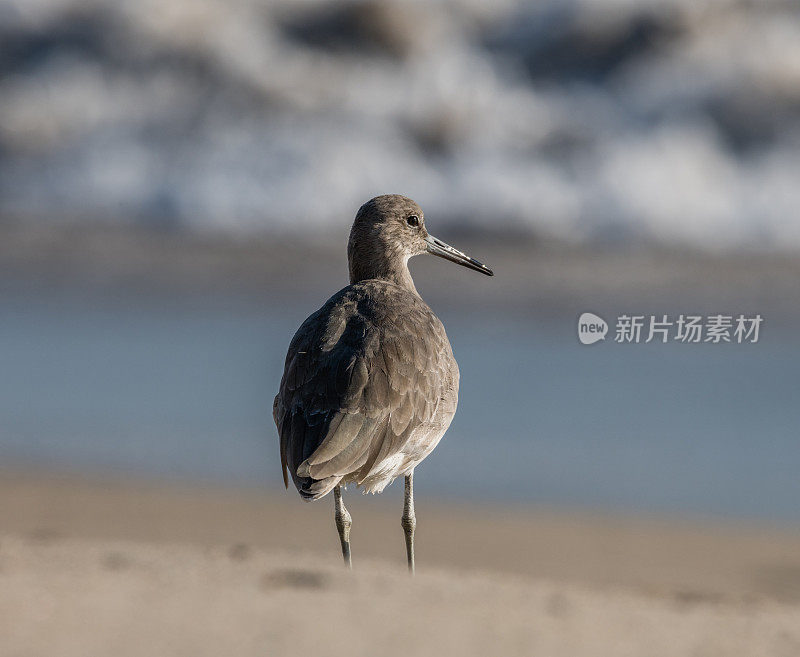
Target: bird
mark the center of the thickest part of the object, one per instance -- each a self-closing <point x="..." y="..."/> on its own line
<point x="370" y="384"/>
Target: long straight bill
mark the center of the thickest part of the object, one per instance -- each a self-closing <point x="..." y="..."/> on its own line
<point x="443" y="250"/>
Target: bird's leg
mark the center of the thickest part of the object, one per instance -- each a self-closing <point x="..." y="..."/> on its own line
<point x="409" y="520"/>
<point x="343" y="523"/>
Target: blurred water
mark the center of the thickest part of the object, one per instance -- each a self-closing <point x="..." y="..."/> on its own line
<point x="668" y="121"/>
<point x="185" y="390"/>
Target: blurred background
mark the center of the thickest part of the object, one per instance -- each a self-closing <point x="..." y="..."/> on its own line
<point x="178" y="179"/>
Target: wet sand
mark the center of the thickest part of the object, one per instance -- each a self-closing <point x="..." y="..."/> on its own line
<point x="533" y="277"/>
<point x="97" y="567"/>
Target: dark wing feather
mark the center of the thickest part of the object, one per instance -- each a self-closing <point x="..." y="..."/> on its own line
<point x="361" y="374"/>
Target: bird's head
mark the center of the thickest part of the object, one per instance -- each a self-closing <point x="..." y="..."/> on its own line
<point x="390" y="229"/>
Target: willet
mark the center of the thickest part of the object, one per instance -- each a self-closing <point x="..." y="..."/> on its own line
<point x="370" y="384"/>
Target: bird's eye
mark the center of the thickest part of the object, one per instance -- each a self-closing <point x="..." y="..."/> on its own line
<point x="412" y="220"/>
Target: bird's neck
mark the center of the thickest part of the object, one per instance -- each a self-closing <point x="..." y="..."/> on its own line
<point x="394" y="269"/>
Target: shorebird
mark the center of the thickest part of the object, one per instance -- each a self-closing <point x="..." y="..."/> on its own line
<point x="370" y="384"/>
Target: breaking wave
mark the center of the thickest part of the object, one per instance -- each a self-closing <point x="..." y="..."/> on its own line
<point x="669" y="121"/>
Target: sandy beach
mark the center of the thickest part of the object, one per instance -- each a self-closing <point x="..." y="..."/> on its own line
<point x="91" y="567"/>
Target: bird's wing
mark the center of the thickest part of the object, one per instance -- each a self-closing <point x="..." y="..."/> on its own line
<point x="354" y="388"/>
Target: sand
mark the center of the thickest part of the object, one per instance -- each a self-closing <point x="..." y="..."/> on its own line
<point x="547" y="279"/>
<point x="94" y="567"/>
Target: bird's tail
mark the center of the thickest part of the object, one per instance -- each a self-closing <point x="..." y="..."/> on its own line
<point x="313" y="489"/>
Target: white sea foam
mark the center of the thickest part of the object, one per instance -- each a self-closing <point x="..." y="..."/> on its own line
<point x="593" y="119"/>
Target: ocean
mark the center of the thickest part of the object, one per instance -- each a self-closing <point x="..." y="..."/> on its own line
<point x="179" y="388"/>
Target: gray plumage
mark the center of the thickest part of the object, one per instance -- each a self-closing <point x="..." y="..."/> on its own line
<point x="370" y="387"/>
<point x="370" y="383"/>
